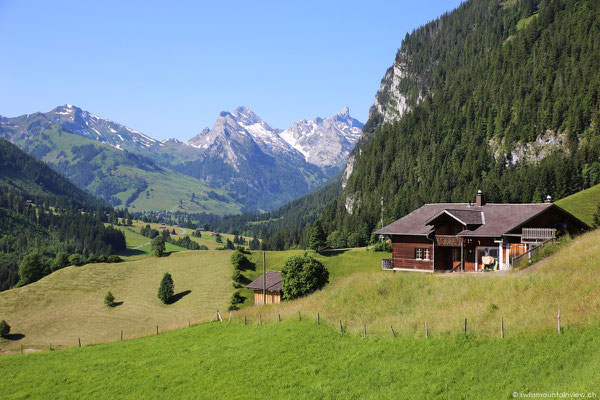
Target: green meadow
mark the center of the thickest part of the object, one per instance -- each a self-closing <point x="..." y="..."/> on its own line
<point x="582" y="204"/>
<point x="300" y="360"/>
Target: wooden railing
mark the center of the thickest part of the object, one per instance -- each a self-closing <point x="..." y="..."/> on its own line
<point x="537" y="234"/>
<point x="448" y="240"/>
<point x="387" y="263"/>
<point x="518" y="260"/>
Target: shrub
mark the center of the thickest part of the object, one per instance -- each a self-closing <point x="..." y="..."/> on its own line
<point x="166" y="288"/>
<point x="158" y="246"/>
<point x="596" y="218"/>
<point x="114" y="259"/>
<point x="302" y="275"/>
<point x="30" y="269"/>
<point x="60" y="261"/>
<point x="76" y="259"/>
<point x="229" y="245"/>
<point x="109" y="299"/>
<point x="383" y="246"/>
<point x="355" y="240"/>
<point x="4" y="328"/>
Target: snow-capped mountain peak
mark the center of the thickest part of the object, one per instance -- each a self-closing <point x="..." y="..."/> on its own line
<point x="325" y="141"/>
<point x="86" y="124"/>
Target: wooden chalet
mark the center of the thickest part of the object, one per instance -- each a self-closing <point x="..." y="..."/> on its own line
<point x="449" y="237"/>
<point x="267" y="288"/>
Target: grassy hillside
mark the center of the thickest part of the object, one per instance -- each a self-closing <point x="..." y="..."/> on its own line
<point x="582" y="204"/>
<point x="138" y="246"/>
<point x="69" y="303"/>
<point x="302" y="360"/>
<point x="569" y="280"/>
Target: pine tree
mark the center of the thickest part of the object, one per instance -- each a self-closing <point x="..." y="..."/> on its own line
<point x="166" y="288"/>
<point x="4" y="328"/>
<point x="109" y="299"/>
<point x="317" y="239"/>
<point x="158" y="246"/>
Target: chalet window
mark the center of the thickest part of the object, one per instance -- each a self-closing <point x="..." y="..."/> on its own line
<point x="422" y="253"/>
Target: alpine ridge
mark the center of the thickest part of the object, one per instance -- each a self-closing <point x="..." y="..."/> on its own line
<point x="241" y="161"/>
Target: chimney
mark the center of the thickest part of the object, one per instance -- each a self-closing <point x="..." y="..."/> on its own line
<point x="479" y="200"/>
<point x="548" y="199"/>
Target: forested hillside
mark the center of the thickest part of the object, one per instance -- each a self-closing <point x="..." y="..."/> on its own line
<point x="501" y="96"/>
<point x="46" y="219"/>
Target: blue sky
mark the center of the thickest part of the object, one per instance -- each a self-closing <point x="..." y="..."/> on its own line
<point x="168" y="68"/>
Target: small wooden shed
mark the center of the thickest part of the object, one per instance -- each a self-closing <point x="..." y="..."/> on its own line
<point x="267" y="288"/>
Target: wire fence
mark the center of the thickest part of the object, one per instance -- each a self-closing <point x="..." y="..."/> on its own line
<point x="241" y="318"/>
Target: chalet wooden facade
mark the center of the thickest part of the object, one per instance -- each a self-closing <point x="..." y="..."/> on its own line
<point x="449" y="237"/>
<point x="267" y="288"/>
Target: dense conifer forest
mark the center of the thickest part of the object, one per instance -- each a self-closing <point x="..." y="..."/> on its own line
<point x="504" y="96"/>
<point x="42" y="213"/>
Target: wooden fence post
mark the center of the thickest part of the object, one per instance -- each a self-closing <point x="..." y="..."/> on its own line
<point x="156" y="330"/>
<point x="364" y="330"/>
<point x="21" y="349"/>
<point x="465" y="326"/>
<point x="426" y="330"/>
<point x="121" y="334"/>
<point x="318" y="318"/>
<point x="299" y="316"/>
<point x="50" y="346"/>
<point x="189" y="322"/>
<point x="229" y="316"/>
<point x="259" y="319"/>
<point x="341" y="327"/>
<point x="558" y="319"/>
<point x="502" y="327"/>
<point x="244" y="319"/>
<point x="279" y="317"/>
<point x="79" y="339"/>
<point x="393" y="333"/>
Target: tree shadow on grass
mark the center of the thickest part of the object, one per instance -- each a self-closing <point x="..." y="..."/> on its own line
<point x="14" y="336"/>
<point x="131" y="252"/>
<point x="333" y="252"/>
<point x="116" y="304"/>
<point x="176" y="297"/>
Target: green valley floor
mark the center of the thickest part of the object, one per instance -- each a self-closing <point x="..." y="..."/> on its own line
<point x="300" y="360"/>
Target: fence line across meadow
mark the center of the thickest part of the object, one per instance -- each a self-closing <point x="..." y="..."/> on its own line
<point x="242" y="318"/>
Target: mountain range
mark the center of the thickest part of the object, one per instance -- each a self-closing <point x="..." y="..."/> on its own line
<point x="241" y="163"/>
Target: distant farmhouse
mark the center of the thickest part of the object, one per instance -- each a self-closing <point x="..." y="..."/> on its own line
<point x="449" y="237"/>
<point x="267" y="288"/>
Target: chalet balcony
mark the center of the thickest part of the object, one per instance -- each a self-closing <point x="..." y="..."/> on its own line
<point x="448" y="240"/>
<point x="529" y="235"/>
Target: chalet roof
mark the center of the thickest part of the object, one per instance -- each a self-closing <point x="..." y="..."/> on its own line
<point x="273" y="282"/>
<point x="494" y="219"/>
<point x="465" y="217"/>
